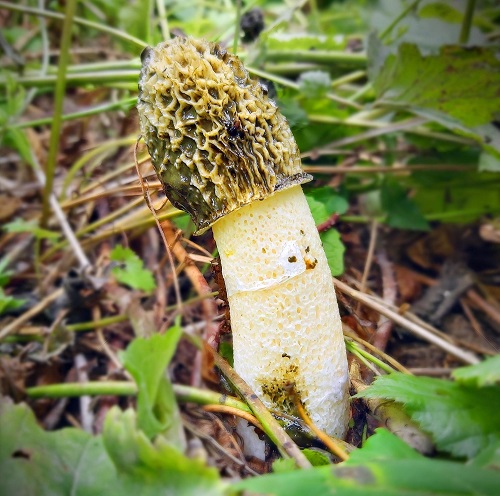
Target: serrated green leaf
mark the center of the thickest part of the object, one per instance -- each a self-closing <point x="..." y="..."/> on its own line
<point x="486" y="373"/>
<point x="71" y="461"/>
<point x="68" y="461"/>
<point x="383" y="445"/>
<point x="334" y="250"/>
<point x="402" y="212"/>
<point x="158" y="467"/>
<point x="462" y="420"/>
<point x="132" y="272"/>
<point x="147" y="359"/>
<point x="20" y="225"/>
<point x="416" y="477"/>
<point x="458" y="87"/>
<point x="323" y="202"/>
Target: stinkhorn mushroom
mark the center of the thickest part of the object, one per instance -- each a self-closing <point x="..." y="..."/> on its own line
<point x="226" y="155"/>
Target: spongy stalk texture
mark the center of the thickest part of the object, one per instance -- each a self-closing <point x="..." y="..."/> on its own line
<point x="216" y="141"/>
<point x="285" y="322"/>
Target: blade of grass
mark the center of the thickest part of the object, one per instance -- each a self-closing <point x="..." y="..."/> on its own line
<point x="60" y="91"/>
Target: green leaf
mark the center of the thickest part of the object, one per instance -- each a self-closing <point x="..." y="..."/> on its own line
<point x="317" y="458"/>
<point x="132" y="272"/>
<point x="8" y="303"/>
<point x="462" y="420"/>
<point x="324" y="201"/>
<point x="147" y="359"/>
<point x="441" y="10"/>
<point x="383" y="445"/>
<point x="334" y="250"/>
<point x="20" y="225"/>
<point x="68" y="461"/>
<point x="154" y="468"/>
<point x="456" y="87"/>
<point x="418" y="477"/>
<point x="486" y="373"/>
<point x="488" y="162"/>
<point x="314" y="84"/>
<point x="402" y="212"/>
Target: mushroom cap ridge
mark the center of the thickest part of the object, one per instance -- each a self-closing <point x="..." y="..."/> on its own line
<point x="216" y="141"/>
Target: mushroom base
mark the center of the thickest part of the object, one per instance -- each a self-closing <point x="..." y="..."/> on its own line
<point x="284" y="314"/>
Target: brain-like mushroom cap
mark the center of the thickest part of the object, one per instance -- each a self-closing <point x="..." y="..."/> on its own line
<point x="217" y="142"/>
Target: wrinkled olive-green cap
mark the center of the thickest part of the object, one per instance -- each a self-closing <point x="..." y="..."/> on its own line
<point x="217" y="142"/>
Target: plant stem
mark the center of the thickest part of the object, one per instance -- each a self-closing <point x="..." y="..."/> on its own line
<point x="60" y="90"/>
<point x="165" y="30"/>
<point x="237" y="27"/>
<point x="320" y="56"/>
<point x="403" y="13"/>
<point x="126" y="103"/>
<point x="278" y="436"/>
<point x="467" y="22"/>
<point x="77" y="20"/>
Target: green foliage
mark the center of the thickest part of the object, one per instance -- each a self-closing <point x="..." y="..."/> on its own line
<point x="486" y="373"/>
<point x="144" y="467"/>
<point x="461" y="419"/>
<point x="402" y="212"/>
<point x="147" y="360"/>
<point x="434" y="86"/>
<point x="22" y="226"/>
<point x="314" y="84"/>
<point x="324" y="202"/>
<point x="384" y="467"/>
<point x="8" y="303"/>
<point x="71" y="461"/>
<point x="131" y="271"/>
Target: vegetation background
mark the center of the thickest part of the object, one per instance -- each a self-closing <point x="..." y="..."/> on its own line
<point x="395" y="106"/>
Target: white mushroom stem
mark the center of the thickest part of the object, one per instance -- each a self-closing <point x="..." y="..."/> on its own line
<point x="284" y="314"/>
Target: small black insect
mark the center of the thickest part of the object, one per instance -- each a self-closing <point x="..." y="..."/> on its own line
<point x="234" y="128"/>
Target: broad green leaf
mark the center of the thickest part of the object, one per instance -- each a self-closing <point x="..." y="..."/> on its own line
<point x="147" y="359"/>
<point x="416" y="477"/>
<point x="486" y="373"/>
<point x="383" y="445"/>
<point x="19" y="225"/>
<point x="456" y="88"/>
<point x="68" y="461"/>
<point x="334" y="249"/>
<point x="462" y="420"/>
<point x="132" y="272"/>
<point x="324" y="202"/>
<point x="488" y="458"/>
<point x="402" y="212"/>
<point x="158" y="467"/>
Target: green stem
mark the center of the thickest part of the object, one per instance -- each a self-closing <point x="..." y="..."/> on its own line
<point x="467" y="22"/>
<point x="126" y="103"/>
<point x="60" y="91"/>
<point x="403" y="13"/>
<point x="354" y="347"/>
<point x="77" y="20"/>
<point x="237" y="27"/>
<point x="162" y="13"/>
<point x="319" y="56"/>
<point x="99" y="78"/>
<point x="273" y="429"/>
